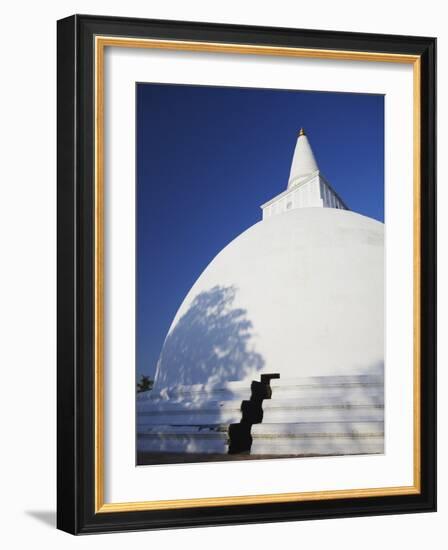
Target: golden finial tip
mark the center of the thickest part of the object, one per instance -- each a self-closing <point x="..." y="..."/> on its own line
<point x="302" y="132"/>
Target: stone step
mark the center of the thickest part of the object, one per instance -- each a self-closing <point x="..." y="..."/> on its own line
<point x="199" y="392"/>
<point x="325" y="416"/>
<point x="270" y="415"/>
<point x="318" y="447"/>
<point x="328" y="381"/>
<point x="298" y="429"/>
<point x="321" y="401"/>
<point x="226" y="417"/>
<point x="320" y="438"/>
<point x="184" y="439"/>
<point x="372" y="392"/>
<point x="317" y="412"/>
<point x="171" y="406"/>
<point x="241" y="389"/>
<point x="186" y="412"/>
<point x="304" y="395"/>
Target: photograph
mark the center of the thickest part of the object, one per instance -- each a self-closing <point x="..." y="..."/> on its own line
<point x="260" y="245"/>
<point x="220" y="266"/>
<point x="246" y="274"/>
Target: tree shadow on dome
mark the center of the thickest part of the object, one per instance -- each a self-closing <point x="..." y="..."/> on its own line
<point x="210" y="344"/>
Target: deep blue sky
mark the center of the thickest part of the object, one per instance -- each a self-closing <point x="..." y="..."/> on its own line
<point x="208" y="157"/>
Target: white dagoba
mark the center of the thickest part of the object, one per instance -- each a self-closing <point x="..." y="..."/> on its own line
<point x="299" y="295"/>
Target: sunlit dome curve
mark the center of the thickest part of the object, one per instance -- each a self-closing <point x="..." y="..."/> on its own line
<point x="299" y="294"/>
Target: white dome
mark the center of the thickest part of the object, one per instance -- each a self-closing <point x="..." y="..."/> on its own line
<point x="300" y="294"/>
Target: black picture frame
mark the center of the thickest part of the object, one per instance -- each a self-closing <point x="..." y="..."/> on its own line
<point x="76" y="405"/>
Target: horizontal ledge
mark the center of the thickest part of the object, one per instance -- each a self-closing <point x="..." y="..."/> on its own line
<point x="256" y="499"/>
<point x="244" y="48"/>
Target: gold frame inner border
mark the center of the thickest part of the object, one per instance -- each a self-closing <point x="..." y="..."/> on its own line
<point x="101" y="42"/>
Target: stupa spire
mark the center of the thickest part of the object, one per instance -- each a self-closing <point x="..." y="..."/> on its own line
<point x="307" y="187"/>
<point x="303" y="163"/>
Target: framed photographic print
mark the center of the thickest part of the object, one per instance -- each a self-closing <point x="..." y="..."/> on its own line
<point x="246" y="274"/>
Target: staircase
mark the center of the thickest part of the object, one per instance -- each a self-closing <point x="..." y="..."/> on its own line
<point x="314" y="416"/>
